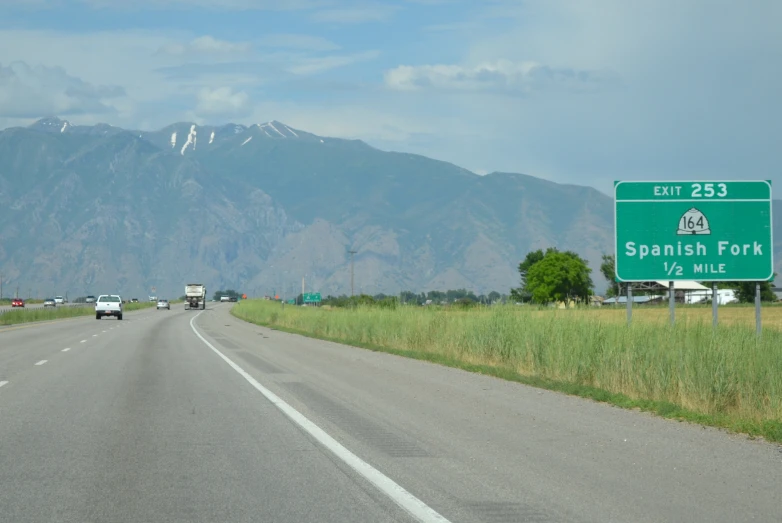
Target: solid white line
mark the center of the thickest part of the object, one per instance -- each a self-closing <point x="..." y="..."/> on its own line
<point x="414" y="506"/>
<point x="3" y="383"/>
<point x="66" y="350"/>
<point x="41" y="362"/>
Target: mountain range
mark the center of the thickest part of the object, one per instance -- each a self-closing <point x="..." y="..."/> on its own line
<point x="91" y="209"/>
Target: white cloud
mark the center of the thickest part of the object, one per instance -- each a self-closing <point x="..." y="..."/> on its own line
<point x="222" y="102"/>
<point x="500" y="76"/>
<point x="206" y="45"/>
<point x="32" y="92"/>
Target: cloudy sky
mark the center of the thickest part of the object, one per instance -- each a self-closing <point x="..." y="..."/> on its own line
<point x="575" y="91"/>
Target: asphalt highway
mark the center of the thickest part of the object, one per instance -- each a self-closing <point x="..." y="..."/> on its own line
<point x="195" y="416"/>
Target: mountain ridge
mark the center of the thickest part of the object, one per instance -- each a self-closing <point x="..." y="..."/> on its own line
<point x="93" y="208"/>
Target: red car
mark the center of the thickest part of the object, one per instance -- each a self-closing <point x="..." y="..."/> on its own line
<point x="17" y="302"/>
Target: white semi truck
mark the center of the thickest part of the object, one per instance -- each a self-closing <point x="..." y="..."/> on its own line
<point x="195" y="296"/>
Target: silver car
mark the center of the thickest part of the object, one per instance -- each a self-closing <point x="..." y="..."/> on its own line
<point x="163" y="304"/>
<point x="49" y="302"/>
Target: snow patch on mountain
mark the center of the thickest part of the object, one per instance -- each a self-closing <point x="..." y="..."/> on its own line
<point x="191" y="139"/>
<point x="173" y="139"/>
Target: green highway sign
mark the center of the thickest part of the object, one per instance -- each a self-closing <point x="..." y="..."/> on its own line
<point x="311" y="297"/>
<point x="707" y="231"/>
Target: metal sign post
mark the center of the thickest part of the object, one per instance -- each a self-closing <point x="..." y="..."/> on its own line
<point x="757" y="308"/>
<point x="672" y="302"/>
<point x="629" y="303"/>
<point x="715" y="297"/>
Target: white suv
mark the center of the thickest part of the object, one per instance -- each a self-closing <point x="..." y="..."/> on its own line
<point x="59" y="300"/>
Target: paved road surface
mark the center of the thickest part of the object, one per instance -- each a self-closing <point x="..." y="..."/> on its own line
<point x="142" y="421"/>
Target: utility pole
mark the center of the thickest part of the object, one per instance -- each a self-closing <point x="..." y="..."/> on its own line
<point x="351" y="272"/>
<point x="1" y="285"/>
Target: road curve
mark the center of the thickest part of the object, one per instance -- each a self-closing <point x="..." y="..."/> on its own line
<point x="193" y="416"/>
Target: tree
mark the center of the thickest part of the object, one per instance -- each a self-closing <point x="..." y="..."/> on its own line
<point x="494" y="296"/>
<point x="559" y="276"/>
<point x="521" y="294"/>
<point x="531" y="259"/>
<point x="230" y="293"/>
<point x="608" y="268"/>
<point x="745" y="291"/>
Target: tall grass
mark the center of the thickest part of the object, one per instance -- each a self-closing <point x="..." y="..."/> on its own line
<point x="726" y="377"/>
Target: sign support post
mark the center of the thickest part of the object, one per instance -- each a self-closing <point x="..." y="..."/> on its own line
<point x="629" y="303"/>
<point x="672" y="302"/>
<point x="757" y="307"/>
<point x="715" y="298"/>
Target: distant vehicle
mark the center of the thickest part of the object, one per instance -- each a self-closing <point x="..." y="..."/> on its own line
<point x="134" y="300"/>
<point x="17" y="302"/>
<point x="163" y="304"/>
<point x="49" y="302"/>
<point x="90" y="299"/>
<point x="108" y="305"/>
<point x="153" y="298"/>
<point x="233" y="298"/>
<point x="59" y="300"/>
<point x="195" y="296"/>
<point x="225" y="298"/>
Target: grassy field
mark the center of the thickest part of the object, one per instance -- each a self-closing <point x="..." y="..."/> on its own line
<point x="15" y="316"/>
<point x="727" y="378"/>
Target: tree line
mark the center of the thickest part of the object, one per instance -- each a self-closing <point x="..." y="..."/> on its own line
<point x="461" y="297"/>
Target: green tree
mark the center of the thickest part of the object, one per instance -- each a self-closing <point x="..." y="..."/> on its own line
<point x="230" y="293"/>
<point x="559" y="276"/>
<point x="745" y="291"/>
<point x="522" y="294"/>
<point x="608" y="268"/>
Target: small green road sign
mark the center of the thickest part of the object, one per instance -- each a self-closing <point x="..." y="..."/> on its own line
<point x="707" y="231"/>
<point x="311" y="297"/>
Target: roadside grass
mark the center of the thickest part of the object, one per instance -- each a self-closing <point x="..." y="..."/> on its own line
<point x="17" y="316"/>
<point x="727" y="378"/>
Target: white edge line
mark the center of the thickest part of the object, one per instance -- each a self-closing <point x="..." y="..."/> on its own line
<point x="66" y="349"/>
<point x="3" y="383"/>
<point x="41" y="362"/>
<point x="414" y="506"/>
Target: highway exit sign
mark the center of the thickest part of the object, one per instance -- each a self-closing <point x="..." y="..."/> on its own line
<point x="707" y="231"/>
<point x="311" y="297"/>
